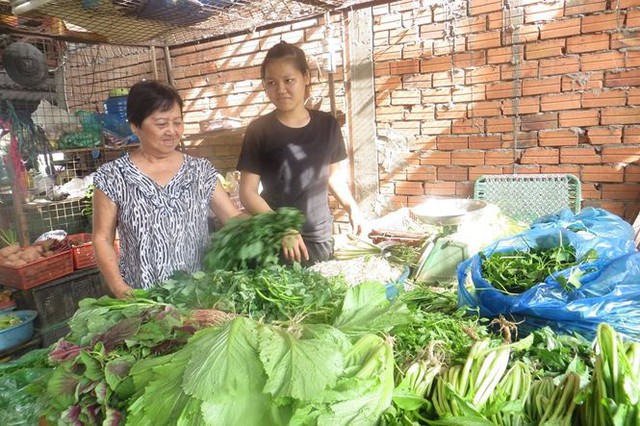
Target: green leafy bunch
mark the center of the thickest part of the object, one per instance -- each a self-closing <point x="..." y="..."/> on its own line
<point x="251" y="243"/>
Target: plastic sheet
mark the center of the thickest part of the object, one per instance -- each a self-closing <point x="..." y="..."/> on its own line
<point x="609" y="289"/>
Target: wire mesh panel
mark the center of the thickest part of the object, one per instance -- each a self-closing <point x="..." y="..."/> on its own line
<point x="526" y="197"/>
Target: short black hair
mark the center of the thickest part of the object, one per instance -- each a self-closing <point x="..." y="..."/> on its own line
<point x="285" y="50"/>
<point x="148" y="96"/>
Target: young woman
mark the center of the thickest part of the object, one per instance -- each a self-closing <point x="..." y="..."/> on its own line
<point x="157" y="197"/>
<point x="298" y="155"/>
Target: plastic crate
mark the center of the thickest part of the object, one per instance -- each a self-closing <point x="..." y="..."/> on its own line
<point x="526" y="197"/>
<point x="38" y="272"/>
<point x="52" y="334"/>
<point x="83" y="254"/>
<point x="58" y="300"/>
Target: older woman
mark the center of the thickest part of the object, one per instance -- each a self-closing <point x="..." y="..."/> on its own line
<point x="157" y="198"/>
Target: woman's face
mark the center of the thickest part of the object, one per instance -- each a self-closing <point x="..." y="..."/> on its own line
<point x="162" y="130"/>
<point x="285" y="84"/>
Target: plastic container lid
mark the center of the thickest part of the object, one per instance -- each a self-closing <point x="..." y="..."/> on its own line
<point x="114" y="93"/>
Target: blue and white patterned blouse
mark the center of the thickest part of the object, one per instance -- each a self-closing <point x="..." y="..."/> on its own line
<point x="161" y="229"/>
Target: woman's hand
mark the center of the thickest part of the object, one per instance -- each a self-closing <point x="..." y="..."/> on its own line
<point x="356" y="221"/>
<point x="293" y="247"/>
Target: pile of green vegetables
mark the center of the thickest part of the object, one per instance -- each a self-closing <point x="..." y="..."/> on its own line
<point x="515" y="271"/>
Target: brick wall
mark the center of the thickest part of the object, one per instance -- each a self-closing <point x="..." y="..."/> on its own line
<point x="475" y="86"/>
<point x="492" y="87"/>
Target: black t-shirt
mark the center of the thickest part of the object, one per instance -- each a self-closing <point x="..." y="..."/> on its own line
<point x="293" y="165"/>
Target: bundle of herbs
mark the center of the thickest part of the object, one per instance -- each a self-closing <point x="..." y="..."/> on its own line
<point x="251" y="243"/>
<point x="516" y="271"/>
<point x="272" y="293"/>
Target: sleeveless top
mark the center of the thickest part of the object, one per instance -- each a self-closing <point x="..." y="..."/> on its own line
<point x="161" y="229"/>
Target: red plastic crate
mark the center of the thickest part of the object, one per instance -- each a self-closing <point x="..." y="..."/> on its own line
<point x="83" y="254"/>
<point x="38" y="272"/>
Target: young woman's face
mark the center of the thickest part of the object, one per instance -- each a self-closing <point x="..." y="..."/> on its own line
<point x="162" y="130"/>
<point x="285" y="84"/>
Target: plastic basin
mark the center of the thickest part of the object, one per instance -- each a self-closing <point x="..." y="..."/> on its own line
<point x="15" y="335"/>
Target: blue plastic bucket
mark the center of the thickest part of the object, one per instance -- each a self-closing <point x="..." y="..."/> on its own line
<point x="15" y="335"/>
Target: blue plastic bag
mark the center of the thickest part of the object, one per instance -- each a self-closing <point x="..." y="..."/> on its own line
<point x="591" y="221"/>
<point x="609" y="287"/>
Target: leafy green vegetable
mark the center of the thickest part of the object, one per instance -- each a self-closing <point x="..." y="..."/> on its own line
<point x="251" y="243"/>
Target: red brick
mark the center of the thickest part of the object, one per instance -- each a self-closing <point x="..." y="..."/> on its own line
<point x="436" y="64"/>
<point x="522" y="34"/>
<point x="420" y="173"/>
<point x="416" y="81"/>
<point x="620" y="116"/>
<point x="579" y="155"/>
<point x="556" y="102"/>
<point x="602" y="174"/>
<point x="484" y="40"/>
<point x="590" y="192"/>
<point x="632" y="58"/>
<point x="625" y="40"/>
<point x="454" y="174"/>
<point x="480" y="7"/>
<point x="564" y="168"/>
<point x="452" y="143"/>
<point x="432" y="31"/>
<point x="485" y="142"/>
<point x="467" y="158"/>
<point x="529" y="105"/>
<point x="456" y="111"/>
<point x="440" y="189"/>
<point x="604" y="135"/>
<point x="501" y="90"/>
<point x="387" y="53"/>
<point x="409" y="188"/>
<point x="583" y="118"/>
<point x="540" y="156"/>
<point x="601" y="22"/>
<point x="438" y="95"/>
<point x="583" y="81"/>
<point x="622" y="79"/>
<point x="420" y="112"/>
<point x="539" y="121"/>
<point x="545" y="49"/>
<point x="539" y="86"/>
<point x="469" y="59"/>
<point x="501" y="156"/>
<point x="620" y="154"/>
<point x="487" y="74"/>
<point x="634" y="96"/>
<point x="435" y="127"/>
<point x="388" y="82"/>
<point x="558" y="66"/>
<point x="526" y="69"/>
<point x="448" y="78"/>
<point x="495" y="20"/>
<point x="469" y="126"/>
<point x="632" y="173"/>
<point x="588" y="43"/>
<point x="575" y="7"/>
<point x="559" y="28"/>
<point x="468" y="93"/>
<point x="501" y="55"/>
<point x="405" y="97"/>
<point x="543" y="12"/>
<point x="423" y="143"/>
<point x="558" y="138"/>
<point x="633" y="18"/>
<point x="485" y="109"/>
<point x="603" y="98"/>
<point x="500" y="124"/>
<point x="472" y="24"/>
<point x="601" y="61"/>
<point x="631" y="135"/>
<point x="404" y="67"/>
<point x="620" y="191"/>
<point x="478" y="171"/>
<point x="389" y="114"/>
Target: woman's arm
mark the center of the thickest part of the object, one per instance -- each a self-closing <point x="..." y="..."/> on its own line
<point x="105" y="213"/>
<point x="222" y="205"/>
<point x="339" y="187"/>
<point x="293" y="247"/>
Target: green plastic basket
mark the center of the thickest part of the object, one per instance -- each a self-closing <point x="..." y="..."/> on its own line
<point x="526" y="197"/>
